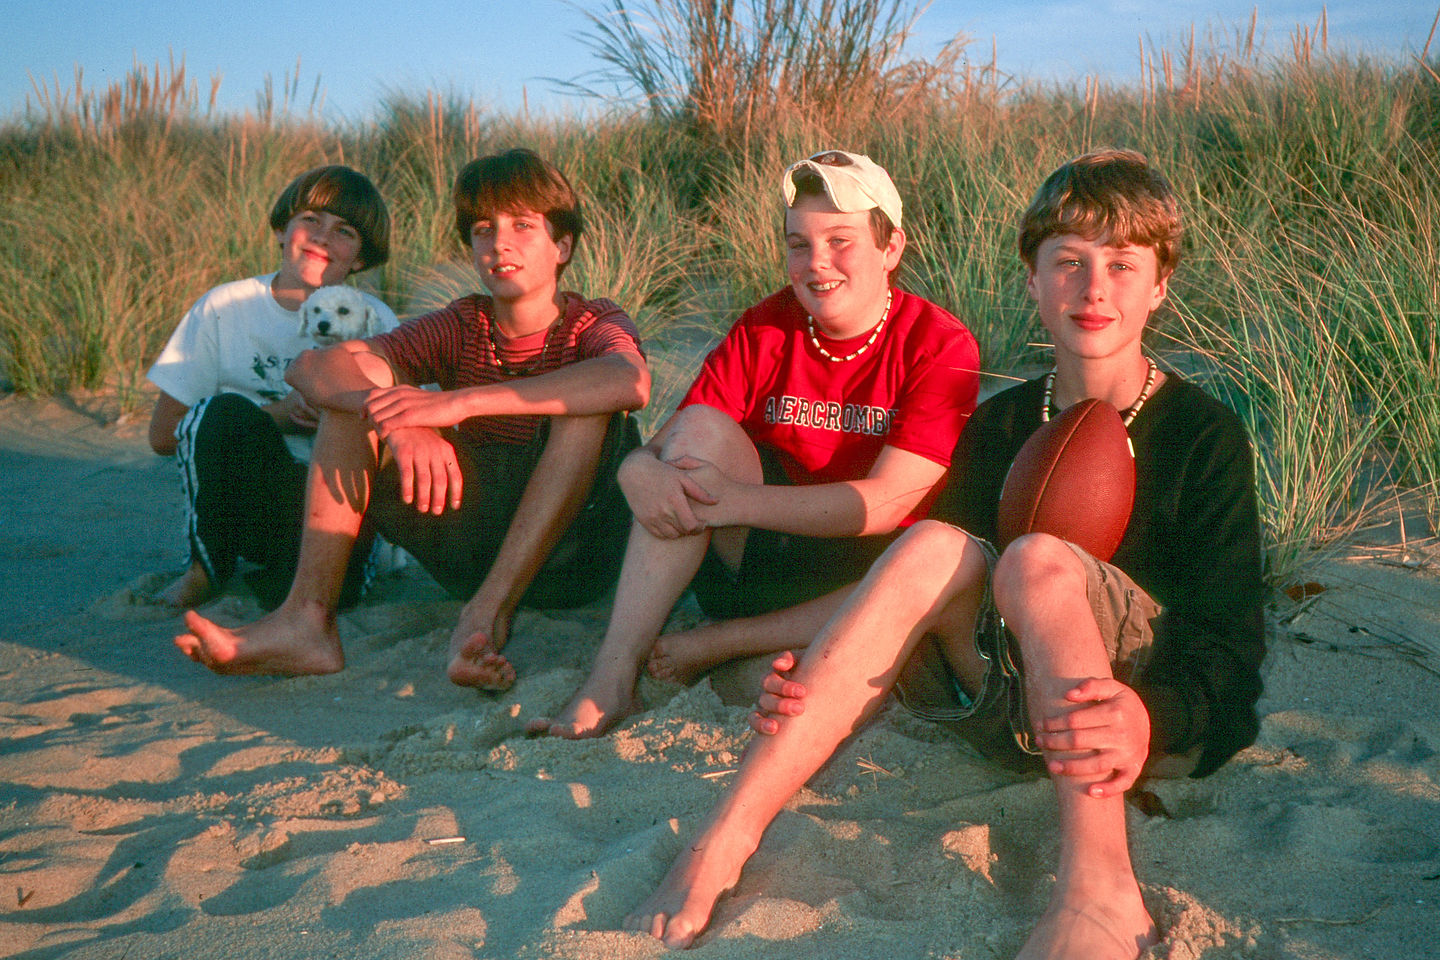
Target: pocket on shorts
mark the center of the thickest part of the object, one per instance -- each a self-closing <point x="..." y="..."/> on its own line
<point x="1134" y="635"/>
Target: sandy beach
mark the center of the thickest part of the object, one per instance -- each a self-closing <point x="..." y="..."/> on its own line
<point x="149" y="809"/>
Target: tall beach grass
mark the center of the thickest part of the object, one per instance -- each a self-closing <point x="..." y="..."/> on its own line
<point x="1307" y="298"/>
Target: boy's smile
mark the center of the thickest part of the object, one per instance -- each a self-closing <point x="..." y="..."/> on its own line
<point x="317" y="249"/>
<point x="515" y="254"/>
<point x="840" y="277"/>
<point x="1094" y="298"/>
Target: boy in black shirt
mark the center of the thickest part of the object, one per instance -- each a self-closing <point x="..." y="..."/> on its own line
<point x="1148" y="663"/>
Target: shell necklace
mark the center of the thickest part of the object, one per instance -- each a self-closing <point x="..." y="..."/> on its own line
<point x="1129" y="415"/>
<point x="874" y="334"/>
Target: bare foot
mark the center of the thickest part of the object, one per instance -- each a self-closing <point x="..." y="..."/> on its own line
<point x="280" y="643"/>
<point x="1110" y="929"/>
<point x="190" y="589"/>
<point x="475" y="658"/>
<point x="601" y="702"/>
<point x="706" y="869"/>
<point x="683" y="657"/>
<point x="478" y="664"/>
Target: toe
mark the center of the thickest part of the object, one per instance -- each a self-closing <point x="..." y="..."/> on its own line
<point x="679" y="934"/>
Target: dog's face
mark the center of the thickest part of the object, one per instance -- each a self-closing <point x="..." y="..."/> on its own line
<point x="332" y="314"/>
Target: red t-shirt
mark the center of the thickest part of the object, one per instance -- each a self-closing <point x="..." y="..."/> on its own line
<point x="453" y="348"/>
<point x="912" y="389"/>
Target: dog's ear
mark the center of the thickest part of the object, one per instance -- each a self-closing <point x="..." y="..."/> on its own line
<point x="304" y="320"/>
<point x="372" y="320"/>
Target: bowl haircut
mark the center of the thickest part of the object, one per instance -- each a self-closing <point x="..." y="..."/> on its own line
<point x="347" y="194"/>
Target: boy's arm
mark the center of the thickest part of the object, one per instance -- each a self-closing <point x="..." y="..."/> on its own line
<point x="1204" y="678"/>
<point x="605" y="384"/>
<point x="164" y="419"/>
<point x="341" y="377"/>
<point x="291" y="413"/>
<point x="876" y="503"/>
<point x="661" y="495"/>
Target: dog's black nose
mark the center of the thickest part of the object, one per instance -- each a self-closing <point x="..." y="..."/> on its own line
<point x="322" y="327"/>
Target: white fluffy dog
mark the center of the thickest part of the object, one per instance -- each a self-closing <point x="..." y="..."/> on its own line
<point x="332" y="314"/>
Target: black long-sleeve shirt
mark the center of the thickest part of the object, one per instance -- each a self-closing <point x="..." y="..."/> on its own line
<point x="1193" y="544"/>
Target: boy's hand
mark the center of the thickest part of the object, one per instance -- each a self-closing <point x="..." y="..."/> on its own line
<point x="429" y="471"/>
<point x="722" y="496"/>
<point x="305" y="417"/>
<point x="399" y="407"/>
<point x="293" y="414"/>
<point x="661" y="496"/>
<point x="1106" y="740"/>
<point x="780" y="696"/>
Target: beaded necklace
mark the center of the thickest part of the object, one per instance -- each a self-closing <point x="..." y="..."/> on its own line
<point x="526" y="367"/>
<point x="874" y="334"/>
<point x="1126" y="418"/>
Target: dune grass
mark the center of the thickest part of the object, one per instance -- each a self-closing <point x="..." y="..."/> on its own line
<point x="1307" y="297"/>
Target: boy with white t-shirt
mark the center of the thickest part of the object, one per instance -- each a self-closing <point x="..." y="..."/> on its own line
<point x="241" y="436"/>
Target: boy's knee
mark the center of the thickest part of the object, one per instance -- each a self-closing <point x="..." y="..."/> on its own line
<point x="228" y="408"/>
<point x="227" y="421"/>
<point x="934" y="536"/>
<point x="375" y="367"/>
<point x="699" y="429"/>
<point x="934" y="557"/>
<point x="1036" y="563"/>
<point x="929" y="545"/>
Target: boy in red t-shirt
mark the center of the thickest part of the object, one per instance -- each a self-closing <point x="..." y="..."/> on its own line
<point x="527" y="425"/>
<point x="819" y="426"/>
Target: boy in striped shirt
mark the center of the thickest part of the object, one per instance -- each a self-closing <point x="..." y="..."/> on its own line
<point x="501" y="482"/>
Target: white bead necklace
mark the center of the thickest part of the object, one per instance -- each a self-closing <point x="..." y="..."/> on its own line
<point x="874" y="334"/>
<point x="1126" y="418"/>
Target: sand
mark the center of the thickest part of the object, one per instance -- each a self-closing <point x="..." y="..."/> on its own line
<point x="149" y="809"/>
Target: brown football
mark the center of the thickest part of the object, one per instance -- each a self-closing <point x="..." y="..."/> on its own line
<point x="1075" y="479"/>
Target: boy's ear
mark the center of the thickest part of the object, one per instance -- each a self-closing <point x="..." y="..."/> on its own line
<point x="566" y="245"/>
<point x="1030" y="284"/>
<point x="1162" y="287"/>
<point x="893" y="249"/>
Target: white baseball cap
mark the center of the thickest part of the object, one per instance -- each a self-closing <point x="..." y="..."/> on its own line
<point x="853" y="182"/>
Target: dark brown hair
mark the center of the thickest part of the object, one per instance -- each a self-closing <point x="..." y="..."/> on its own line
<point x="347" y="194"/>
<point x="515" y="181"/>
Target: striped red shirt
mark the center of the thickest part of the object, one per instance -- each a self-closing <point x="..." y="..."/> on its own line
<point x="453" y="348"/>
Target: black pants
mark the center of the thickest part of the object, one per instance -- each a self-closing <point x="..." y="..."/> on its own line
<point x="245" y="498"/>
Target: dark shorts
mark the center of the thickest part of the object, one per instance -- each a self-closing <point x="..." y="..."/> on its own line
<point x="458" y="547"/>
<point x="779" y="570"/>
<point x="996" y="720"/>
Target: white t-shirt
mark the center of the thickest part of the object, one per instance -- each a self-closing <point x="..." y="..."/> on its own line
<point x="237" y="339"/>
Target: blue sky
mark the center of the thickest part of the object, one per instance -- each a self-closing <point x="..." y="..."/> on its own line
<point x="501" y="51"/>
